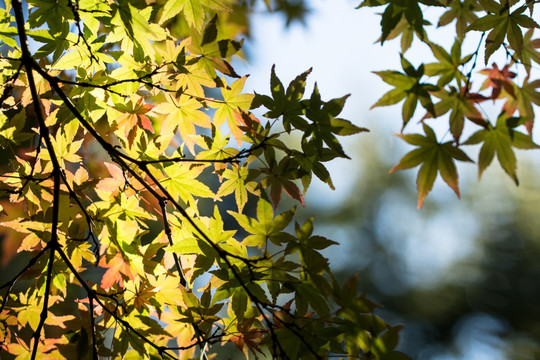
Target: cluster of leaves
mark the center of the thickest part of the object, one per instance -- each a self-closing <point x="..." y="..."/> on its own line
<point x="506" y="26"/>
<point x="117" y="171"/>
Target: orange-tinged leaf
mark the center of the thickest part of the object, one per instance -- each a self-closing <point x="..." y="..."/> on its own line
<point x="231" y="109"/>
<point x="140" y="293"/>
<point x="498" y="79"/>
<point x="131" y="116"/>
<point x="118" y="267"/>
<point x="146" y="123"/>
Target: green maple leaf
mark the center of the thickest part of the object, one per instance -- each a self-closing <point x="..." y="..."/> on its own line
<point x="216" y="232"/>
<point x="462" y="105"/>
<point x="396" y="10"/>
<point x="213" y="55"/>
<point x="65" y="149"/>
<point x="407" y="86"/>
<point x="216" y="148"/>
<point x="238" y="180"/>
<point x="7" y="32"/>
<point x="435" y="158"/>
<point x="187" y="242"/>
<point x="11" y="129"/>
<point x="500" y="140"/>
<point x="523" y="100"/>
<point x="78" y="56"/>
<point x="136" y="25"/>
<point x="192" y="80"/>
<point x="462" y="12"/>
<point x="29" y="313"/>
<point x="501" y="24"/>
<point x="285" y="103"/>
<point x="311" y="159"/>
<point x="308" y="244"/>
<point x="324" y="122"/>
<point x="193" y="12"/>
<point x="54" y="13"/>
<point x="265" y="227"/>
<point x="448" y="64"/>
<point x="530" y="53"/>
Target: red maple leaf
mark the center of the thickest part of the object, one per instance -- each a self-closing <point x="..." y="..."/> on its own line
<point x="498" y="79"/>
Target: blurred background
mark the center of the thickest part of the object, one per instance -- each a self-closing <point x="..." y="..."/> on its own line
<point x="463" y="276"/>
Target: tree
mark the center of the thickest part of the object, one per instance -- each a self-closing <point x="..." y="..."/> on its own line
<point x="120" y="164"/>
<point x="125" y="132"/>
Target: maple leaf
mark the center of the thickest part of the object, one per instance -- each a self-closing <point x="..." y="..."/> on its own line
<point x="239" y="180"/>
<point x="279" y="177"/>
<point x="108" y="187"/>
<point x="231" y="108"/>
<point x="408" y="87"/>
<point x="287" y="103"/>
<point x="181" y="182"/>
<point x="192" y="81"/>
<point x="134" y="24"/>
<point x="501" y="24"/>
<point x="525" y="96"/>
<point x="11" y="129"/>
<point x="447" y="66"/>
<point x="65" y="149"/>
<point x="435" y="158"/>
<point x="462" y="103"/>
<point x="19" y="349"/>
<point x="183" y="114"/>
<point x="140" y="292"/>
<point x="498" y="79"/>
<point x="216" y="149"/>
<point x="118" y="267"/>
<point x="248" y="335"/>
<point x="324" y="122"/>
<point x="398" y="9"/>
<point x="462" y="12"/>
<point x="266" y="227"/>
<point x="312" y="260"/>
<point x="131" y="116"/>
<point x="213" y="56"/>
<point x="530" y="53"/>
<point x="193" y="10"/>
<point x="30" y="312"/>
<point x="500" y="140"/>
